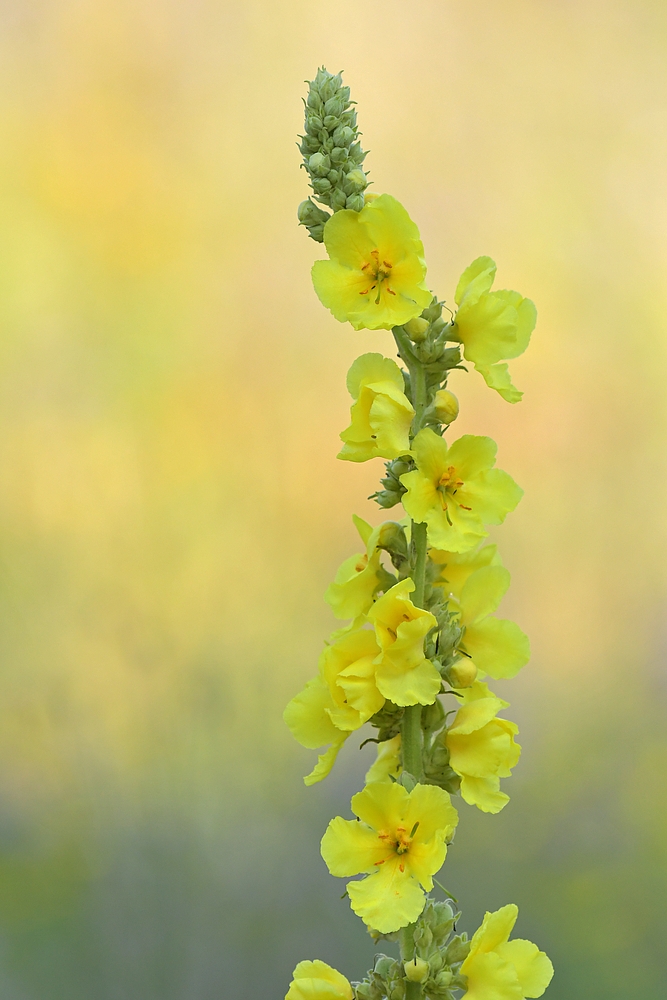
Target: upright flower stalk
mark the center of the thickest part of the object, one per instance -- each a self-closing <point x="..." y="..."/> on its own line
<point x="421" y="637"/>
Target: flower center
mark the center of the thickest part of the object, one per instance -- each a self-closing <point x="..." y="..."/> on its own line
<point x="399" y="843"/>
<point x="448" y="486"/>
<point x="378" y="271"/>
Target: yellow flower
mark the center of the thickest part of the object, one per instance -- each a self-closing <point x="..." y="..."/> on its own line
<point x="387" y="764"/>
<point x="341" y="699"/>
<point x="403" y="673"/>
<point x="401" y="842"/>
<point x="482" y="748"/>
<point x="457" y="566"/>
<point x="497" y="646"/>
<point x="375" y="275"/>
<point x="456" y="490"/>
<point x="355" y="583"/>
<point x="318" y="981"/>
<point x="492" y="325"/>
<point x="381" y="414"/>
<point x="500" y="969"/>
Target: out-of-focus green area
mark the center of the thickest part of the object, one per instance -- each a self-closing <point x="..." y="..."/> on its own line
<point x="171" y="509"/>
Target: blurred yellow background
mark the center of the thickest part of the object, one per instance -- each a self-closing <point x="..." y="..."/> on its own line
<point x="171" y="508"/>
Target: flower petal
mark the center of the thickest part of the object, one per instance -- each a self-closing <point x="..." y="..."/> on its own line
<point x="497" y="646"/>
<point x="494" y="930"/>
<point x="388" y="900"/>
<point x="476" y="279"/>
<point x="498" y="377"/>
<point x="321" y="974"/>
<point x="349" y="848"/>
<point x="457" y="567"/>
<point x="387" y="764"/>
<point x="325" y="762"/>
<point x="533" y="968"/>
<point x="472" y="454"/>
<point x="493" y="495"/>
<point x="490" y="978"/>
<point x="306" y="716"/>
<point x="380" y="805"/>
<point x="484" y="793"/>
<point x="432" y="807"/>
<point x="418" y="685"/>
<point x="431" y="453"/>
<point x="483" y="592"/>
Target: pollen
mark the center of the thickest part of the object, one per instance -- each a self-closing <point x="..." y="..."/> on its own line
<point x="380" y="271"/>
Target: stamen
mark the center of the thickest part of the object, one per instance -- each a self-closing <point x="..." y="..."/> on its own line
<point x="401" y="868"/>
<point x="364" y="266"/>
<point x="391" y="292"/>
<point x="365" y="291"/>
<point x="464" y="506"/>
<point x="414" y="829"/>
<point x="387" y="264"/>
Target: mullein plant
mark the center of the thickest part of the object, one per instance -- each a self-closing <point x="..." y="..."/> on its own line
<point x="418" y="639"/>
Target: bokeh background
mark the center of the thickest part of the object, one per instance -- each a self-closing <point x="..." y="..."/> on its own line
<point x="171" y="509"/>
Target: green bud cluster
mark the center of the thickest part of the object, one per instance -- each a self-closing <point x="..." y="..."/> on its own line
<point x="430" y="334"/>
<point x="388" y="721"/>
<point x="436" y="962"/>
<point x="393" y="540"/>
<point x="332" y="153"/>
<point x="393" y="487"/>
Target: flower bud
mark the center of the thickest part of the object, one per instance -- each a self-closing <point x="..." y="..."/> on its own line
<point x="384" y="967"/>
<point x="355" y="181"/>
<point x="319" y="164"/>
<point x="338" y="199"/>
<point x="370" y="196"/>
<point x="334" y="106"/>
<point x="416" y="329"/>
<point x="416" y="971"/>
<point x="457" y="950"/>
<point x="445" y="404"/>
<point x="462" y="673"/>
<point x="434" y="311"/>
<point x="321" y="185"/>
<point x="338" y="155"/>
<point x="355" y="202"/>
<point x="443" y="979"/>
<point x="314" y="124"/>
<point x="343" y="136"/>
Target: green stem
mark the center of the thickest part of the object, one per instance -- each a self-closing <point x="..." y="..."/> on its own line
<point x="407" y="943"/>
<point x="413" y="991"/>
<point x="411" y="741"/>
<point x="420" y="544"/>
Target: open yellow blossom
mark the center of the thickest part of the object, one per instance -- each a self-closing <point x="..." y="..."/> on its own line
<point x="401" y="842"/>
<point x="341" y="699"/>
<point x="375" y="275"/>
<point x="500" y="969"/>
<point x="355" y="583"/>
<point x="482" y="748"/>
<point x="381" y="413"/>
<point x="492" y="325"/>
<point x="318" y="981"/>
<point x="457" y="566"/>
<point x="497" y="646"/>
<point x="456" y="490"/>
<point x="403" y="674"/>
